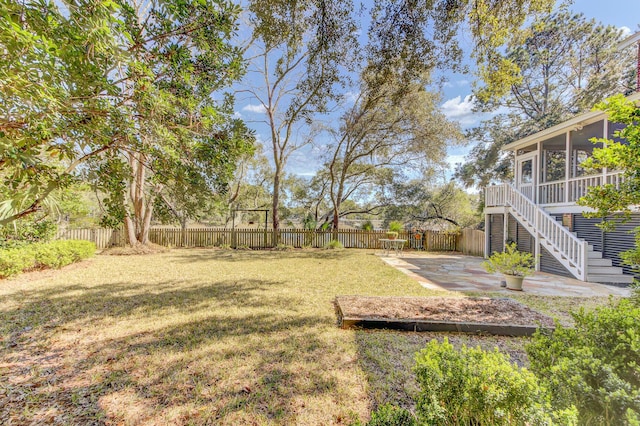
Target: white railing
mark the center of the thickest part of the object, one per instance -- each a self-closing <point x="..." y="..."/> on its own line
<point x="551" y="193"/>
<point x="578" y="187"/>
<point x="495" y="196"/>
<point x="568" y="249"/>
<point x="615" y="179"/>
<point x="558" y="192"/>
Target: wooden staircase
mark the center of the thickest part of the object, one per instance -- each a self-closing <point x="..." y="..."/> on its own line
<point x="574" y="253"/>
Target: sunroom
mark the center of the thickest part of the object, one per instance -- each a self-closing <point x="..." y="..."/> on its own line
<point x="548" y="168"/>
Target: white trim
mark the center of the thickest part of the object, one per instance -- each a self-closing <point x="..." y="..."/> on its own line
<point x="629" y="41"/>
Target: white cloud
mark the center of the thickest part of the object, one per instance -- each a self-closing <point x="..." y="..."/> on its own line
<point x="626" y="31"/>
<point x="237" y="114"/>
<point x="461" y="110"/>
<point x="258" y="109"/>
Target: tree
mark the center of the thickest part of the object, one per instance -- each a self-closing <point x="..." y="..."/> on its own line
<point x="55" y="108"/>
<point x="409" y="38"/>
<point x="181" y="56"/>
<point x="566" y="64"/>
<point x="385" y="130"/>
<point x="299" y="49"/>
<point x="621" y="154"/>
<point x="425" y="205"/>
<point x="133" y="101"/>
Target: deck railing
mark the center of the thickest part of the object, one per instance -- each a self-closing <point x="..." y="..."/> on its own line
<point x="558" y="192"/>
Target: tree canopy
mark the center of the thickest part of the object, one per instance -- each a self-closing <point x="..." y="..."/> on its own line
<point x="566" y="64"/>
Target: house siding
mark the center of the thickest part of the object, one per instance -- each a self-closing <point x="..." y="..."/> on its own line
<point x="549" y="264"/>
<point x="524" y="240"/>
<point x="496" y="233"/>
<point x="609" y="243"/>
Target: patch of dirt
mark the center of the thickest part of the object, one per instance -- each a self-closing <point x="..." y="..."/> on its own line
<point x="450" y="309"/>
<point x="134" y="250"/>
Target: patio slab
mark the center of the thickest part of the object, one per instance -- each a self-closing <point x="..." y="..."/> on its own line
<point x="456" y="272"/>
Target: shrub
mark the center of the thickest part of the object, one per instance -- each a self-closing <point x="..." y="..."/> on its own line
<point x="24" y="232"/>
<point x="511" y="262"/>
<point x="594" y="366"/>
<point x="53" y="254"/>
<point x="334" y="245"/>
<point x="367" y="226"/>
<point x="15" y="260"/>
<point x="389" y="415"/>
<point x="395" y="226"/>
<point x="477" y="387"/>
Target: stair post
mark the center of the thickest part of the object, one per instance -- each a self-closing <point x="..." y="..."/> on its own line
<point x="536" y="236"/>
<point x="585" y="260"/>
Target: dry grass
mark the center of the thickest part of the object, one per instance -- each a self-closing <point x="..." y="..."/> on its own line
<point x="189" y="337"/>
<point x="205" y="337"/>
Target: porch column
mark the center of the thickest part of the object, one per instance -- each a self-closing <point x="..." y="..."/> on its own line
<point x="568" y="166"/>
<point x="605" y="136"/>
<point x="487" y="236"/>
<point x="505" y="227"/>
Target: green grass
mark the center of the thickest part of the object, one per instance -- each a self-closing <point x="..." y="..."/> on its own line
<point x="205" y="337"/>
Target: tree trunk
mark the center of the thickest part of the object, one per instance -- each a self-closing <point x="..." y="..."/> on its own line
<point x="130" y="231"/>
<point x="276" y="201"/>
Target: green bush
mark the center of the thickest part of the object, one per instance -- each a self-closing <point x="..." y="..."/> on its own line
<point x="53" y="254"/>
<point x="24" y="232"/>
<point x="395" y="226"/>
<point x="367" y="226"/>
<point x="389" y="415"/>
<point x="334" y="245"/>
<point x="15" y="260"/>
<point x="476" y="387"/>
<point x="511" y="262"/>
<point x="594" y="366"/>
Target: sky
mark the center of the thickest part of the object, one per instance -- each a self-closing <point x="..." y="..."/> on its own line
<point x="457" y="104"/>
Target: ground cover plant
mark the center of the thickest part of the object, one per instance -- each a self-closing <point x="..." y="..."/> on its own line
<point x="207" y="337"/>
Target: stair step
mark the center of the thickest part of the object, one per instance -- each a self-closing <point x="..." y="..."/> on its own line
<point x="607" y="278"/>
<point x="598" y="261"/>
<point x="594" y="254"/>
<point x="606" y="270"/>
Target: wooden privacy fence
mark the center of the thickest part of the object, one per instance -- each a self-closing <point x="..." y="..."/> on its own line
<point x="471" y="242"/>
<point x="102" y="237"/>
<point x="468" y="241"/>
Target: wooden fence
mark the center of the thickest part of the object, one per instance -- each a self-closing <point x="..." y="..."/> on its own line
<point x="468" y="241"/>
<point x="471" y="242"/>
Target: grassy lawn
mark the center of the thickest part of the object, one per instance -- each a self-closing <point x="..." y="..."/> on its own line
<point x="205" y="337"/>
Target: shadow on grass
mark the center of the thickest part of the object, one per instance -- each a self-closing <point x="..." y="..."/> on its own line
<point x="243" y="351"/>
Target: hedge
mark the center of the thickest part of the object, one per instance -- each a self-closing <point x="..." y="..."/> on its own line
<point x="53" y="254"/>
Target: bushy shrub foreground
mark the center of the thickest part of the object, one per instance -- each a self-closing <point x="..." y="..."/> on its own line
<point x="53" y="254"/>
<point x="594" y="366"/>
<point x="585" y="375"/>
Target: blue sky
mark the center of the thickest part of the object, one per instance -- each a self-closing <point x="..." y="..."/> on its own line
<point x="457" y="104"/>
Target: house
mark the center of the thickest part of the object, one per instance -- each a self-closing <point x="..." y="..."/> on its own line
<point x="538" y="210"/>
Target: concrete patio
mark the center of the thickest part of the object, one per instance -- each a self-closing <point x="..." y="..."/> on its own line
<point x="456" y="272"/>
